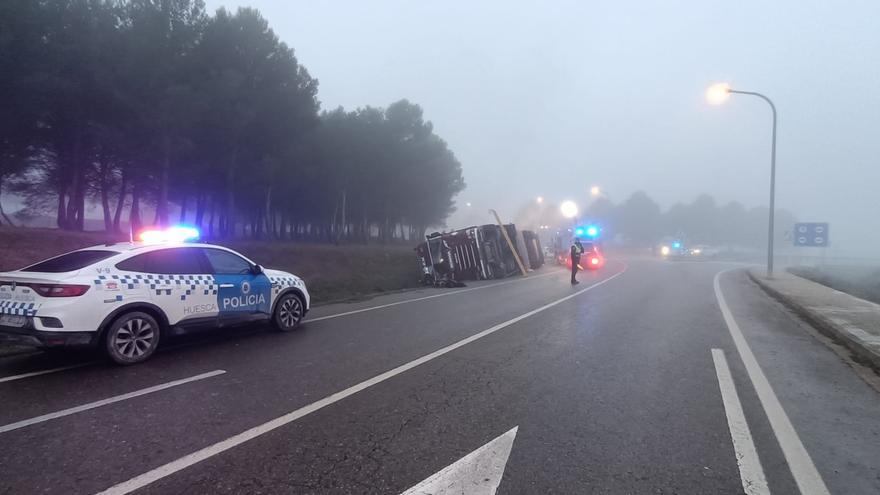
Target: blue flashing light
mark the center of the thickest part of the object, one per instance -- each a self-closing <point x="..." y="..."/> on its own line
<point x="592" y="231"/>
<point x="178" y="233"/>
<point x="183" y="233"/>
<point x="676" y="245"/>
<point x="579" y="231"/>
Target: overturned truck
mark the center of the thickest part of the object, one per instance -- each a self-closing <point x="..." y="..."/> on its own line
<point x="477" y="253"/>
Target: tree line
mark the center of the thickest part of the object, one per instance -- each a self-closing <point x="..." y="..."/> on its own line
<point x="157" y="106"/>
<point x="703" y="221"/>
<point x="640" y="221"/>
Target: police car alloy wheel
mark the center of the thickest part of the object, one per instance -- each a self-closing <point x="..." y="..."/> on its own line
<point x="132" y="338"/>
<point x="288" y="313"/>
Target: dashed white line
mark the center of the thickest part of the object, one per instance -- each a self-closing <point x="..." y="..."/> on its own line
<point x="104" y="402"/>
<point x="805" y="474"/>
<point x="12" y="378"/>
<point x="222" y="446"/>
<point x="444" y="294"/>
<point x="750" y="471"/>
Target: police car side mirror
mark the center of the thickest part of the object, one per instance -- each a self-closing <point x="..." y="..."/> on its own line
<point x="257" y="270"/>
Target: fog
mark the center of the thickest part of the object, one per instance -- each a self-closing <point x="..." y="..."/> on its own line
<point x="549" y="98"/>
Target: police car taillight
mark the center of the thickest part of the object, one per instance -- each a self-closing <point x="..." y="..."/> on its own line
<point x="59" y="290"/>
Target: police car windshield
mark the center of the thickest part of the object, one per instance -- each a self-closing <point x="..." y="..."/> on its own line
<point x="69" y="262"/>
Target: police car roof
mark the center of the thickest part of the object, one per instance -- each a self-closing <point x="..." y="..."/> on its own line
<point x="124" y="247"/>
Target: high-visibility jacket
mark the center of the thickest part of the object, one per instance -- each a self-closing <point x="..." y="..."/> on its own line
<point x="577" y="250"/>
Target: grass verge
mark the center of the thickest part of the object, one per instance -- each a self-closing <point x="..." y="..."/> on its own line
<point x="860" y="281"/>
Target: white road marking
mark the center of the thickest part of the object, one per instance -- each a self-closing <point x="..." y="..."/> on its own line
<point x="444" y="294"/>
<point x="478" y="473"/>
<point x="750" y="471"/>
<point x="104" y="402"/>
<point x="45" y="372"/>
<point x="320" y="318"/>
<point x="808" y="479"/>
<point x="224" y="445"/>
<point x="682" y="262"/>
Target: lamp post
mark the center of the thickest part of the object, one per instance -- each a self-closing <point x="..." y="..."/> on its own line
<point x="569" y="210"/>
<point x="718" y="94"/>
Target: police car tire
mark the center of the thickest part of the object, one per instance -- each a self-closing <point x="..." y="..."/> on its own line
<point x="132" y="338"/>
<point x="286" y="305"/>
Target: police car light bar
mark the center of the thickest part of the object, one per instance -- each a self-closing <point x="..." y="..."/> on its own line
<point x="170" y="235"/>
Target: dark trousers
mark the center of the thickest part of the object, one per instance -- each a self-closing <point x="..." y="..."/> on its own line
<point x="574" y="268"/>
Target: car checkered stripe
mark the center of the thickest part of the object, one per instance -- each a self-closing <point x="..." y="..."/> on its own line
<point x="18" y="308"/>
<point x="281" y="283"/>
<point x="159" y="284"/>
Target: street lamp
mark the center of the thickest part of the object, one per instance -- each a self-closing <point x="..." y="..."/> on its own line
<point x="595" y="191"/>
<point x="569" y="209"/>
<point x="540" y="199"/>
<point x="718" y="94"/>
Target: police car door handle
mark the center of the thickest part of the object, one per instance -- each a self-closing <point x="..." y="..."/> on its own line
<point x="226" y="286"/>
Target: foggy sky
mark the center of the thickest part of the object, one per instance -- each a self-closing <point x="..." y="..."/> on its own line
<point x="549" y="98"/>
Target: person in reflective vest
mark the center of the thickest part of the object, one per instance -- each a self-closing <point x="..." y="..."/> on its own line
<point x="577" y="249"/>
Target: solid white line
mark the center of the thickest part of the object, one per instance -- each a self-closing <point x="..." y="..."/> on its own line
<point x="338" y="315"/>
<point x="104" y="402"/>
<point x="444" y="294"/>
<point x="320" y="318"/>
<point x="808" y="479"/>
<point x="750" y="471"/>
<point x="45" y="372"/>
<point x="222" y="446"/>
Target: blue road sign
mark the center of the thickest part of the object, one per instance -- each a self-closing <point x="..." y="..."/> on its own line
<point x="811" y="234"/>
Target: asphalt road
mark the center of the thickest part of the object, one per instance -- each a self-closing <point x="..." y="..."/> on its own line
<point x="612" y="386"/>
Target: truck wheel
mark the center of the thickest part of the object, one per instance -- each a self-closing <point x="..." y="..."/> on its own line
<point x="132" y="338"/>
<point x="288" y="312"/>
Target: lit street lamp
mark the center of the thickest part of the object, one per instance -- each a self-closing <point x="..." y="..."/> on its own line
<point x="540" y="199"/>
<point x="718" y="94"/>
<point x="569" y="209"/>
<point x="595" y="191"/>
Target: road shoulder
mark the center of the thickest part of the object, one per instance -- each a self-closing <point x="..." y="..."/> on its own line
<point x="853" y="322"/>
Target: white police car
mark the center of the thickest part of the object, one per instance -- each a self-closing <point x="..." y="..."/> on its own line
<point x="125" y="296"/>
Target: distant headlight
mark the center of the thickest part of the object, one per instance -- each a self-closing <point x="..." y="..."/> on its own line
<point x="697" y="251"/>
<point x="664" y="250"/>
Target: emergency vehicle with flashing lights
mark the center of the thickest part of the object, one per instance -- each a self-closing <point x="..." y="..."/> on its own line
<point x="591" y="259"/>
<point x="125" y="297"/>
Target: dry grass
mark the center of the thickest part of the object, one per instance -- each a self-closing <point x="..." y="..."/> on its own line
<point x="338" y="272"/>
<point x="860" y="281"/>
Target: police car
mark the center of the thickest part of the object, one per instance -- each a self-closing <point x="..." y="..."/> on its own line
<point x="124" y="297"/>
